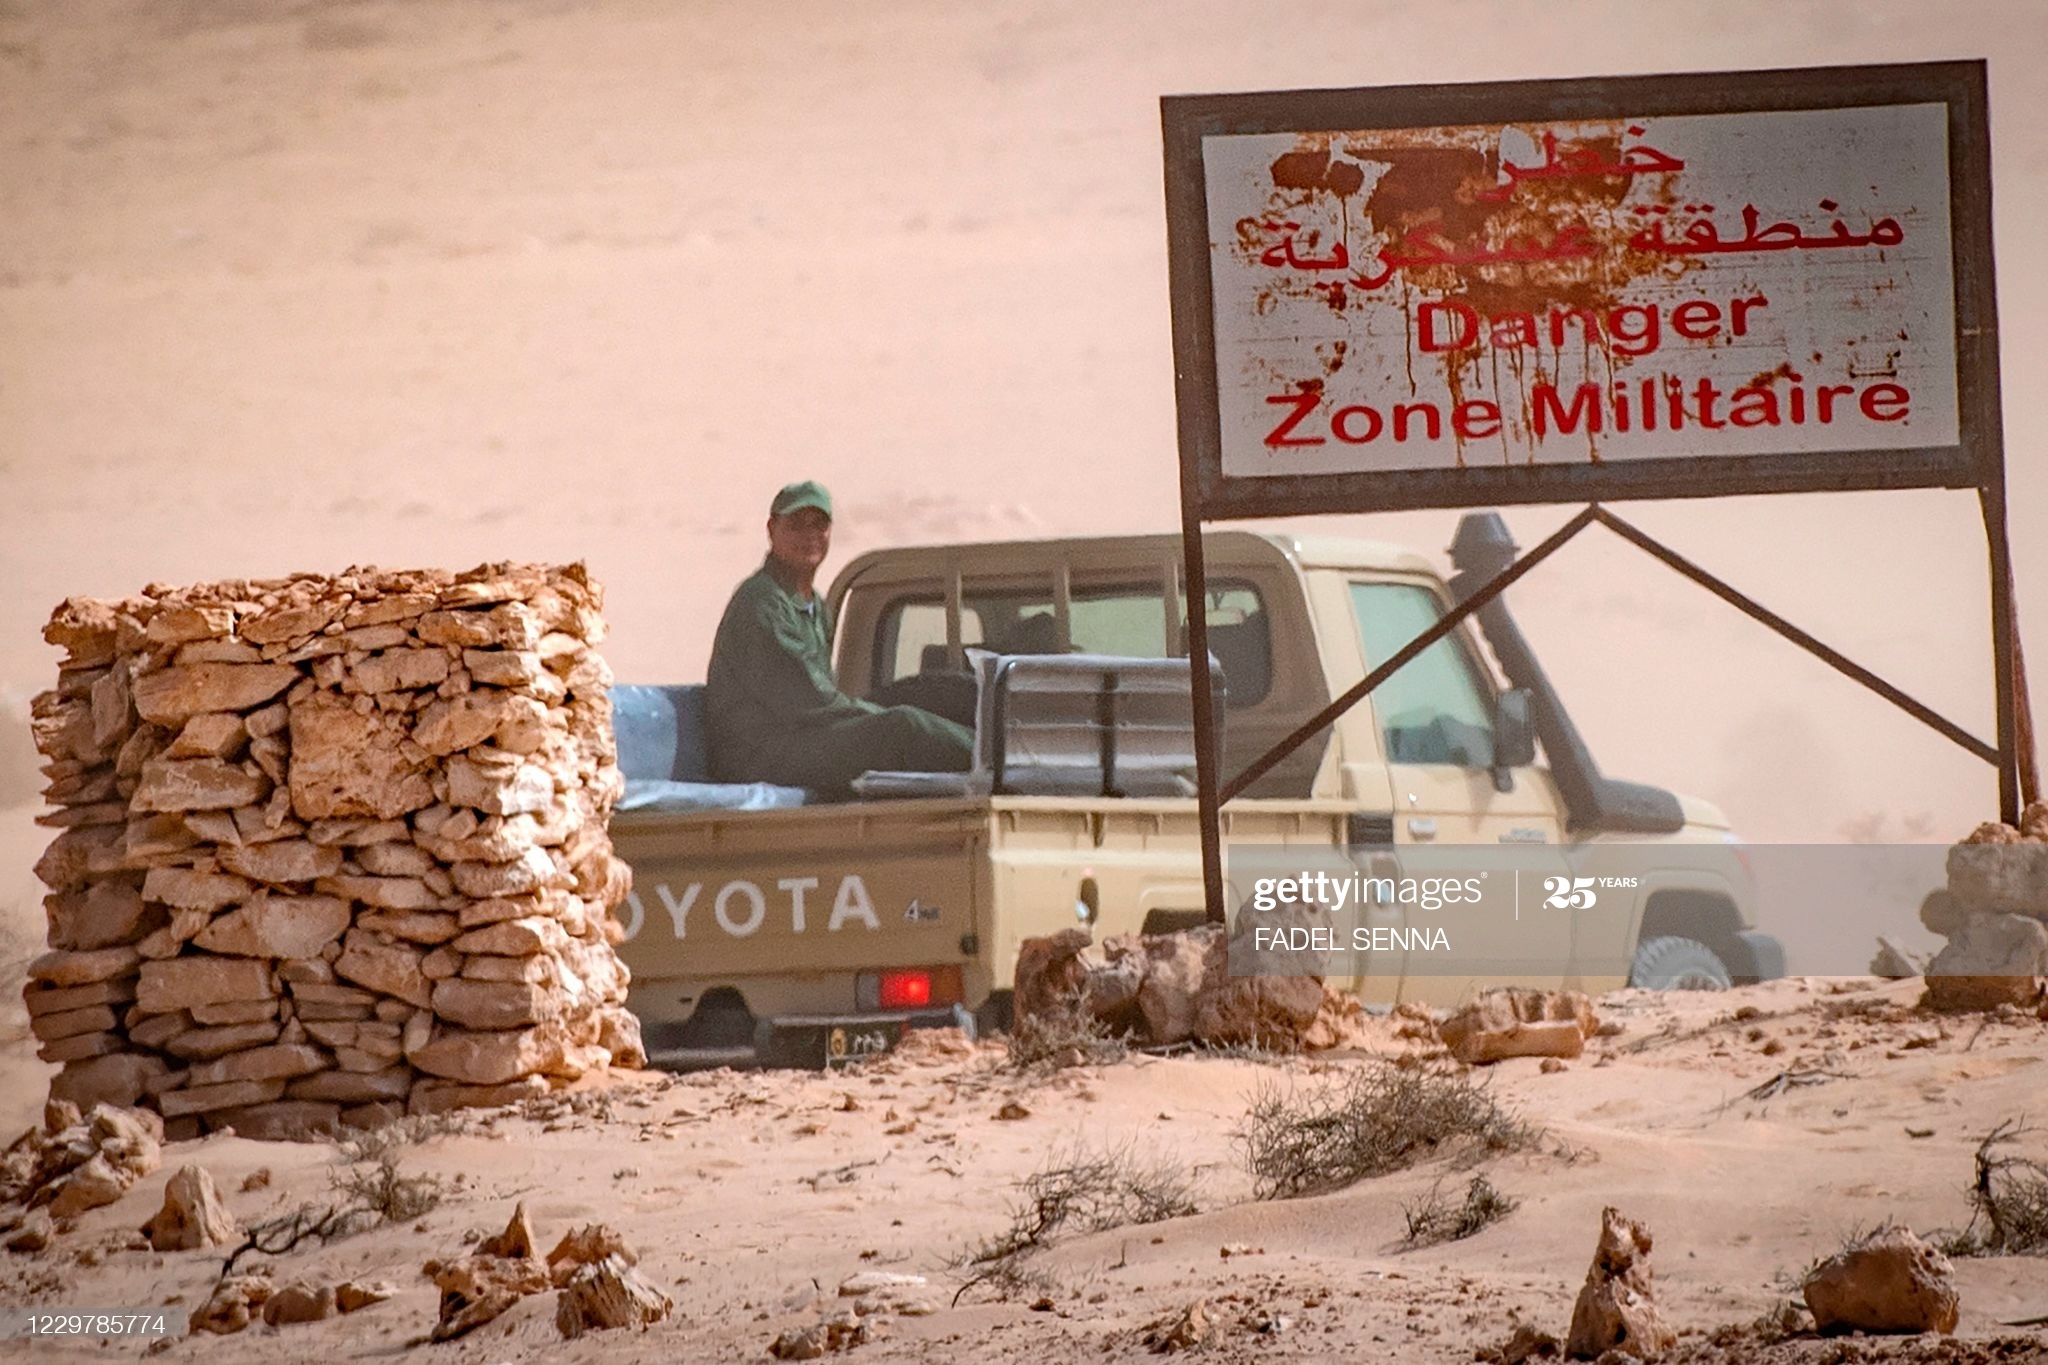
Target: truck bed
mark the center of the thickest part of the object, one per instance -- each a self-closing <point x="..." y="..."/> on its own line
<point x="779" y="915"/>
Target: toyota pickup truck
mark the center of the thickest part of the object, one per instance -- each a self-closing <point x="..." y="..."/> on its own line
<point x="766" y="927"/>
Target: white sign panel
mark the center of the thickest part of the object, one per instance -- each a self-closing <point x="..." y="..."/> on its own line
<point x="1585" y="291"/>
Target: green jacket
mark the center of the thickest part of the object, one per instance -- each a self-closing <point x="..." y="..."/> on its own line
<point x="770" y="674"/>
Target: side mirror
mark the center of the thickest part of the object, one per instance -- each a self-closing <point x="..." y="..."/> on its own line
<point x="1514" y="730"/>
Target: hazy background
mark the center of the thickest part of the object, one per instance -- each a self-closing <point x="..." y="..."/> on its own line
<point x="294" y="286"/>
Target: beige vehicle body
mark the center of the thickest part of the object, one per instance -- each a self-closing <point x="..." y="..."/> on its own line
<point x="776" y="934"/>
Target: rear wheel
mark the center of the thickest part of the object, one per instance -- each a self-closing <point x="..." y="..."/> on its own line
<point x="996" y="1015"/>
<point x="1677" y="964"/>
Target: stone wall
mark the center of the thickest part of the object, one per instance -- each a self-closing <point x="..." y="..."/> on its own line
<point x="331" y="848"/>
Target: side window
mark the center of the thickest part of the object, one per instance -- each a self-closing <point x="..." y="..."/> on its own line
<point x="1433" y="710"/>
<point x="1127" y="620"/>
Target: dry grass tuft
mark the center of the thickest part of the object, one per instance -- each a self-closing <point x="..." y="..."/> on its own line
<point x="369" y="1190"/>
<point x="1434" y="1219"/>
<point x="1079" y="1192"/>
<point x="2008" y="1202"/>
<point x="374" y="1144"/>
<point x="1054" y="1039"/>
<point x="1384" y="1118"/>
<point x="377" y="1188"/>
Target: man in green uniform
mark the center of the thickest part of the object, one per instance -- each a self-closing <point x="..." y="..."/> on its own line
<point x="772" y="710"/>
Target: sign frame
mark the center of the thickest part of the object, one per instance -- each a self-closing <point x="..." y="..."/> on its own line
<point x="1977" y="460"/>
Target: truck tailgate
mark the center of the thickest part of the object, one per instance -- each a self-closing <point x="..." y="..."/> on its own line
<point x="721" y="896"/>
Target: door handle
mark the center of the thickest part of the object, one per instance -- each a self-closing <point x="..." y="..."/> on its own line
<point x="1421" y="827"/>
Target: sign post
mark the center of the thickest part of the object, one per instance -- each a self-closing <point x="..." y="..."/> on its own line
<point x="1585" y="291"/>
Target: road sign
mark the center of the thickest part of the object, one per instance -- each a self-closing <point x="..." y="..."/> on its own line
<point x="1671" y="286"/>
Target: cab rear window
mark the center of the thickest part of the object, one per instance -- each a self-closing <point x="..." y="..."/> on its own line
<point x="1128" y="620"/>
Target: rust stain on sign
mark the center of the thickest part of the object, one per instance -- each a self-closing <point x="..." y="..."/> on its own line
<point x="1544" y="266"/>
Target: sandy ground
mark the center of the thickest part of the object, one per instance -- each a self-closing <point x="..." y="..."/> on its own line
<point x="903" y="1163"/>
<point x="437" y="282"/>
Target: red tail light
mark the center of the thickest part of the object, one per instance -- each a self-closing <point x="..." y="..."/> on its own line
<point x="906" y="990"/>
<point x="913" y="988"/>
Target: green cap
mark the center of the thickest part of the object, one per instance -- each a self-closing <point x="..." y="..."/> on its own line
<point x="797" y="496"/>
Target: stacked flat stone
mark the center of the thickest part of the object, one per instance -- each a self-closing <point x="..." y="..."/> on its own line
<point x="331" y="849"/>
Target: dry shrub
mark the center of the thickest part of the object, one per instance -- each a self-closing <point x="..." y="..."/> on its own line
<point x="377" y="1188"/>
<point x="374" y="1144"/>
<point x="1013" y="1277"/>
<point x="369" y="1191"/>
<point x="1254" y="1051"/>
<point x="2008" y="1202"/>
<point x="370" y="1179"/>
<point x="1079" y="1192"/>
<point x="1380" y="1119"/>
<point x="1434" y="1219"/>
<point x="308" y="1222"/>
<point x="370" y="1195"/>
<point x="1063" y="1037"/>
<point x="1086" y="1191"/>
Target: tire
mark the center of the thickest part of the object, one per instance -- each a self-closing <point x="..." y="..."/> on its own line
<point x="996" y="1015"/>
<point x="1671" y="963"/>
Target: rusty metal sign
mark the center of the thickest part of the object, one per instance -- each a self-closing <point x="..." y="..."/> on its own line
<point x="1585" y="291"/>
<point x="1668" y="286"/>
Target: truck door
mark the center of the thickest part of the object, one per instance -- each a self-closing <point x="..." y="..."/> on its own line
<point x="1435" y="719"/>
